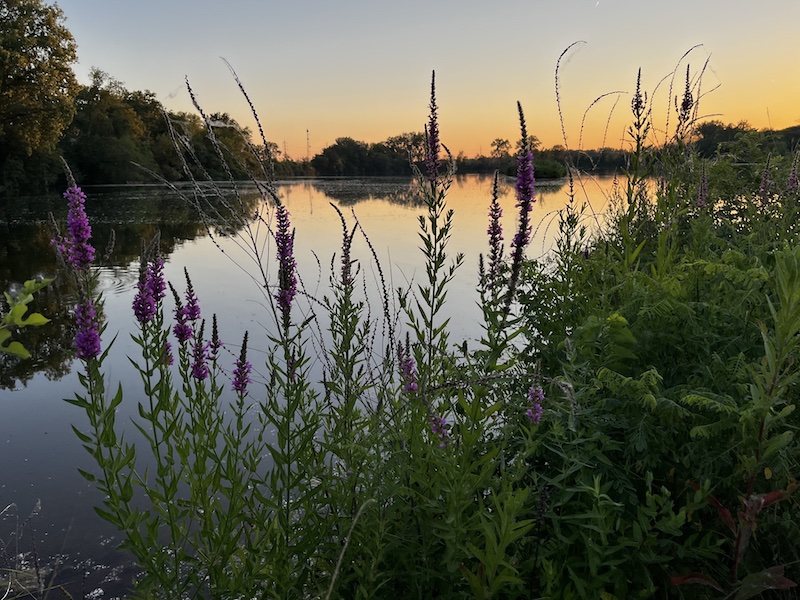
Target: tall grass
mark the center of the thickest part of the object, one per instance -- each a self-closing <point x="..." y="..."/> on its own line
<point x="627" y="397"/>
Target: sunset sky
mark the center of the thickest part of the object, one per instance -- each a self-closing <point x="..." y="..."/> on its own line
<point x="361" y="68"/>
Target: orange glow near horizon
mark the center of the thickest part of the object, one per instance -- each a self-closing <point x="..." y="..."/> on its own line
<point x="472" y="132"/>
<point x="469" y="124"/>
<point x="362" y="69"/>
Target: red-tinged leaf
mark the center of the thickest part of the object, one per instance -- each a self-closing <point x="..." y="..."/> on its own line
<point x="768" y="579"/>
<point x="724" y="513"/>
<point x="772" y="498"/>
<point x="697" y="578"/>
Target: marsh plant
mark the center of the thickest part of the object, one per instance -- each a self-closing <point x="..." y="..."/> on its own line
<point x="627" y="397"/>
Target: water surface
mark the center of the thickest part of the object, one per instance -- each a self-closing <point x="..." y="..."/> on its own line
<point x="41" y="454"/>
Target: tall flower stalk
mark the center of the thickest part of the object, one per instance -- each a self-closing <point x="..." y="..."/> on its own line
<point x="75" y="248"/>
<point x="435" y="230"/>
<point x="525" y="200"/>
<point x="432" y="142"/>
<point x="287" y="277"/>
<point x="77" y="254"/>
<point x="495" y="233"/>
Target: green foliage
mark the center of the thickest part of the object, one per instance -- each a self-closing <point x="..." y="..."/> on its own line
<point x="625" y="400"/>
<point x="673" y="330"/>
<point x="37" y="89"/>
<point x="15" y="317"/>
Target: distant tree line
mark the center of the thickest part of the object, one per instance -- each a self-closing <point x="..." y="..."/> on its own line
<point x="109" y="134"/>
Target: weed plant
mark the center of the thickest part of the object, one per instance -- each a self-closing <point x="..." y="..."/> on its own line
<point x="625" y="426"/>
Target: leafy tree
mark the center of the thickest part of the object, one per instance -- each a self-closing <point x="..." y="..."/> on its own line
<point x="500" y="148"/>
<point x="37" y="84"/>
<point x="233" y="141"/>
<point x="107" y="135"/>
<point x="345" y="157"/>
<point x="407" y="146"/>
<point x="713" y="135"/>
<point x="349" y="157"/>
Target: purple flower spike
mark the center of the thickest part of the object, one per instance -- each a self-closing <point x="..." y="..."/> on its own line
<point x="155" y="274"/>
<point x="525" y="200"/>
<point x="535" y="397"/>
<point x="87" y="340"/>
<point x="75" y="247"/>
<point x="144" y="305"/>
<point x="167" y="356"/>
<point x="408" y="368"/>
<point x="439" y="429"/>
<point x="495" y="232"/>
<point x="525" y="185"/>
<point x="287" y="278"/>
<point x="150" y="290"/>
<point x="216" y="343"/>
<point x="192" y="309"/>
<point x="241" y="374"/>
<point x="433" y="145"/>
<point x="182" y="330"/>
<point x="200" y="356"/>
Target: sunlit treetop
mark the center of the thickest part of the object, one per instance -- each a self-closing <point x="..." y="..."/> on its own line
<point x="37" y="83"/>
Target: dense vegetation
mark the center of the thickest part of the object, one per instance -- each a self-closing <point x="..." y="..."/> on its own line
<point x="624" y="428"/>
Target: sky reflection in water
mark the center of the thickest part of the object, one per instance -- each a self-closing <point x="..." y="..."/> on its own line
<point x="41" y="454"/>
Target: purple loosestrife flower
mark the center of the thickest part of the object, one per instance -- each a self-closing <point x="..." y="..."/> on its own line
<point x="439" y="429"/>
<point x="192" y="308"/>
<point x="167" y="355"/>
<point x="687" y="102"/>
<point x="525" y="185"/>
<point x="150" y="290"/>
<point x="200" y="355"/>
<point x="433" y="144"/>
<point x="535" y="397"/>
<point x="408" y="368"/>
<point x="75" y="247"/>
<point x="241" y="374"/>
<point x="525" y="200"/>
<point x="495" y="232"/>
<point x="182" y="330"/>
<point x="287" y="278"/>
<point x="155" y="272"/>
<point x="87" y="340"/>
<point x="216" y="343"/>
<point x="144" y="305"/>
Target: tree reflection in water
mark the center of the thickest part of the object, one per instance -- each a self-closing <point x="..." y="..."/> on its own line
<point x="126" y="216"/>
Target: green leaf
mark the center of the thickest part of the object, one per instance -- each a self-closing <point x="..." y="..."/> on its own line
<point x="35" y="320"/>
<point x="86" y="475"/>
<point x="777" y="443"/>
<point x="16" y="349"/>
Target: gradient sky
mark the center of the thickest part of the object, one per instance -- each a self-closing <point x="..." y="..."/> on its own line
<point x="361" y="68"/>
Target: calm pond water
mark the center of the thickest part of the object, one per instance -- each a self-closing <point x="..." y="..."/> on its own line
<point x="41" y="454"/>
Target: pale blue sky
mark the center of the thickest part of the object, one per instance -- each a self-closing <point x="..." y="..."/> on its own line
<point x="361" y="68"/>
